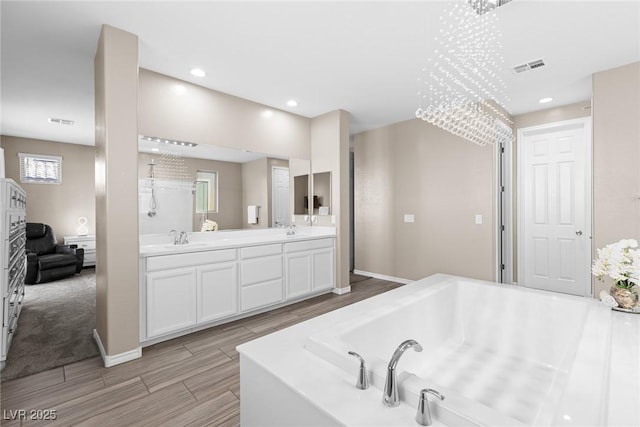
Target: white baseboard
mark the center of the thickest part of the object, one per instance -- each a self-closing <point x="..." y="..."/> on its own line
<point x="341" y="291"/>
<point x="383" y="277"/>
<point x="118" y="358"/>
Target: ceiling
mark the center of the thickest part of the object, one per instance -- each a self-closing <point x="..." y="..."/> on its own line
<point x="363" y="57"/>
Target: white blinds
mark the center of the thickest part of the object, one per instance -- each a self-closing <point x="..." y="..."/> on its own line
<point x="40" y="168"/>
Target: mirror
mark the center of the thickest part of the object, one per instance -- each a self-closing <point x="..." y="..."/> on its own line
<point x="301" y="195"/>
<point x="185" y="187"/>
<point x="322" y="193"/>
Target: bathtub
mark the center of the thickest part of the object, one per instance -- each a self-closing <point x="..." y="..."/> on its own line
<point x="501" y="354"/>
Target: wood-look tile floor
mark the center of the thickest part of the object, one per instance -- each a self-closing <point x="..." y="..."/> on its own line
<point x="189" y="381"/>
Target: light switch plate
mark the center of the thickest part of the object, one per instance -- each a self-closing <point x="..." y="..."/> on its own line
<point x="333" y="219"/>
<point x="478" y="219"/>
<point x="409" y="218"/>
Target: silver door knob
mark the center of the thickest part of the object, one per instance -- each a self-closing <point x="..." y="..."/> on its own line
<point x="579" y="233"/>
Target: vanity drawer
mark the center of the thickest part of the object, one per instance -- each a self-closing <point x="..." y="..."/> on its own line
<point x="260" y="270"/>
<point x="163" y="262"/>
<point x="261" y="295"/>
<point x="259" y="251"/>
<point x="308" y="245"/>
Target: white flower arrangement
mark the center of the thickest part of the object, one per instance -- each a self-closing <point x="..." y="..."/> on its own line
<point x="621" y="262"/>
<point x="209" y="225"/>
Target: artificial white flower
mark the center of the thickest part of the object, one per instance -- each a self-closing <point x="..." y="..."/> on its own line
<point x="620" y="261"/>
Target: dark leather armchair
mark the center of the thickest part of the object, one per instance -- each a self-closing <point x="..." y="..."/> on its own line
<point x="46" y="260"/>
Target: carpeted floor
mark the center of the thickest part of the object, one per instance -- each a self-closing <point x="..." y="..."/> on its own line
<point x="55" y="326"/>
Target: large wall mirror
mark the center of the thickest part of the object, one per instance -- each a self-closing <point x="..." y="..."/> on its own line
<point x="191" y="188"/>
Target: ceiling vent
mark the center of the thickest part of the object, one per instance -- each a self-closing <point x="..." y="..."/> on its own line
<point x="529" y="66"/>
<point x="61" y="121"/>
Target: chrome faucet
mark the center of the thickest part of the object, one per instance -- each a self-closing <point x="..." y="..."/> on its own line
<point x="291" y="231"/>
<point x="390" y="394"/>
<point x="179" y="239"/>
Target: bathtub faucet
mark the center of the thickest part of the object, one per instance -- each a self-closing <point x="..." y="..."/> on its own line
<point x="390" y="395"/>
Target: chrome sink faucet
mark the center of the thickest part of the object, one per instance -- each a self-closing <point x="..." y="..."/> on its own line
<point x="291" y="231"/>
<point x="179" y="239"/>
<point x="390" y="395"/>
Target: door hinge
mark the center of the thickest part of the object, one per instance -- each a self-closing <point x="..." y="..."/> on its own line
<point x="502" y="188"/>
<point x="502" y="227"/>
<point x="501" y="149"/>
<point x="501" y="266"/>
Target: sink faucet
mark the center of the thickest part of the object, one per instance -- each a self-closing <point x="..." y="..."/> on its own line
<point x="390" y="395"/>
<point x="179" y="239"/>
<point x="292" y="230"/>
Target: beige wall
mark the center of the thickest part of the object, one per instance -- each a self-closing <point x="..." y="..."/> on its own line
<point x="174" y="109"/>
<point x="60" y="206"/>
<point x="229" y="215"/>
<point x="551" y="115"/>
<point x="116" y="103"/>
<point x="415" y="168"/>
<point x="616" y="157"/>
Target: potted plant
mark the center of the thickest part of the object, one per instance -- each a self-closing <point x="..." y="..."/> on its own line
<point x="621" y="262"/>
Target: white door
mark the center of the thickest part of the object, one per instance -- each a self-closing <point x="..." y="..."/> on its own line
<point x="555" y="205"/>
<point x="280" y="196"/>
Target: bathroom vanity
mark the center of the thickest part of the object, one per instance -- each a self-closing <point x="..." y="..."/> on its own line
<point x="223" y="276"/>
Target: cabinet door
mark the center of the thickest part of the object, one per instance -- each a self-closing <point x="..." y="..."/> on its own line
<point x="217" y="291"/>
<point x="298" y="273"/>
<point x="171" y="300"/>
<point x="323" y="269"/>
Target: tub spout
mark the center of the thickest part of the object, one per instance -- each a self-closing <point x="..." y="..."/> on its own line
<point x="390" y="395"/>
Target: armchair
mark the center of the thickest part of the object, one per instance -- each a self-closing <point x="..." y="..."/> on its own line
<point x="46" y="260"/>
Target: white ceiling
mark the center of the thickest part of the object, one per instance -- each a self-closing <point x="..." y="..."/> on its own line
<point x="363" y="57"/>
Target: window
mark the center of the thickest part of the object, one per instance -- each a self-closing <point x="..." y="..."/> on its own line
<point x="40" y="169"/>
<point x="207" y="192"/>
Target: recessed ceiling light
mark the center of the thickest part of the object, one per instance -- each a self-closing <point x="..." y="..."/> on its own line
<point x="61" y="121"/>
<point x="545" y="100"/>
<point x="292" y="103"/>
<point x="267" y="113"/>
<point x="198" y="72"/>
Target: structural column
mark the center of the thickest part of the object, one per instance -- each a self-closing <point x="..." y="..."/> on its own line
<point x="330" y="153"/>
<point x="116" y="102"/>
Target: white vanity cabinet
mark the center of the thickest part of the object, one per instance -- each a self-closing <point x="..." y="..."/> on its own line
<point x="171" y="300"/>
<point x="183" y="292"/>
<point x="309" y="266"/>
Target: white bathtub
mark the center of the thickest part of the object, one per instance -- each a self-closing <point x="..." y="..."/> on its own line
<point x="502" y="355"/>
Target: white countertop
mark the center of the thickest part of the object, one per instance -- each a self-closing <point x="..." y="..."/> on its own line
<point x="160" y="244"/>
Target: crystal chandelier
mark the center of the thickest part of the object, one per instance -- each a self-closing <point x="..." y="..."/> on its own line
<point x="461" y="89"/>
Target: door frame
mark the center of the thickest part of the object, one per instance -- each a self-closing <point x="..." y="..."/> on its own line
<point x="586" y="123"/>
<point x="504" y="176"/>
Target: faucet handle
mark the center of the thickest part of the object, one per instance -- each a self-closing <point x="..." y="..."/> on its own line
<point x="363" y="378"/>
<point x="423" y="416"/>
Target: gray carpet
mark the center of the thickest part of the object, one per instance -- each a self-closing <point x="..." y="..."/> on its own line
<point x="55" y="326"/>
